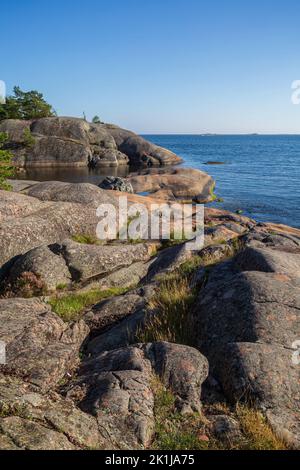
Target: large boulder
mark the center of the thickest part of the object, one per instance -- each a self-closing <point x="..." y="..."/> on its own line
<point x="81" y="193"/>
<point x="140" y="151"/>
<point x="67" y="210"/>
<point x="32" y="420"/>
<point x="73" y="142"/>
<point x="44" y="268"/>
<point x="247" y="321"/>
<point x="87" y="262"/>
<point x="177" y="183"/>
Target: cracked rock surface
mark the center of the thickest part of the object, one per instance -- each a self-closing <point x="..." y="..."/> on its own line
<point x="247" y="319"/>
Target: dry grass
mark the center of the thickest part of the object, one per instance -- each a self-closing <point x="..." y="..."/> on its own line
<point x="174" y="431"/>
<point x="259" y="435"/>
<point x="168" y="319"/>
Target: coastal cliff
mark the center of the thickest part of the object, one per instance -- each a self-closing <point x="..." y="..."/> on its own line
<point x="73" y="142"/>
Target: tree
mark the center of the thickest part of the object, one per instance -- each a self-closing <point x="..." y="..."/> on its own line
<point x="6" y="168"/>
<point x="96" y="120"/>
<point x="25" y="105"/>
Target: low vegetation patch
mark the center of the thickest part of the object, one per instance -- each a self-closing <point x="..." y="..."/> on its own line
<point x="6" y="168"/>
<point x="86" y="239"/>
<point x="28" y="138"/>
<point x="70" y="306"/>
<point x="258" y="434"/>
<point x="174" y="431"/>
<point x="169" y="313"/>
<point x="170" y="309"/>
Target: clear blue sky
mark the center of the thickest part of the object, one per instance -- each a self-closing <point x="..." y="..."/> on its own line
<point x="159" y="66"/>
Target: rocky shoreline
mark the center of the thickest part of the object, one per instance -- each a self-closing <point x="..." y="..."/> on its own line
<point x="143" y="345"/>
<point x="72" y="142"/>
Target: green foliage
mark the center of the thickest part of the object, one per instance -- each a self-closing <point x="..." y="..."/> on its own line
<point x="28" y="138"/>
<point x="96" y="120"/>
<point x="70" y="306"/>
<point x="86" y="239"/>
<point x="25" y="105"/>
<point x="6" y="168"/>
<point x="174" y="431"/>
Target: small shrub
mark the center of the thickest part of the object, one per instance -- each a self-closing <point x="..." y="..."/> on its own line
<point x="86" y="239"/>
<point x="28" y="138"/>
<point x="29" y="285"/>
<point x="6" y="168"/>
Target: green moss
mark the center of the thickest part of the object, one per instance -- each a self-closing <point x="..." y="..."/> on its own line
<point x="70" y="306"/>
<point x="86" y="239"/>
<point x="28" y="138"/>
<point x="14" y="409"/>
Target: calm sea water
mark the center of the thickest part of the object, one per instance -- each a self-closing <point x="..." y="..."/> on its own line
<point x="260" y="174"/>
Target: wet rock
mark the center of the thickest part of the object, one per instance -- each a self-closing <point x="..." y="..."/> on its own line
<point x="116" y="184"/>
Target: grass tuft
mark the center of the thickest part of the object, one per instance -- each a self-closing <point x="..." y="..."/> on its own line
<point x="174" y="431"/>
<point x="86" y="239"/>
<point x="70" y="306"/>
<point x="169" y="317"/>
